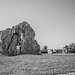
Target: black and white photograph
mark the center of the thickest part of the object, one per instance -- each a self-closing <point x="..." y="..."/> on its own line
<point x="37" y="37"/>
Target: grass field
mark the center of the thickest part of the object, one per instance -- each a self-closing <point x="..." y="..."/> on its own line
<point x="46" y="64"/>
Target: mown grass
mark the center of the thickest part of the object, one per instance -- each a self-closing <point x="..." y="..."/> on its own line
<point x="45" y="64"/>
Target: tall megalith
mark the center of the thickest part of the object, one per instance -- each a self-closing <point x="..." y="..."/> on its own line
<point x="19" y="40"/>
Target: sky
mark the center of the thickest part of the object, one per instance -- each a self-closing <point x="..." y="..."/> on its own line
<point x="52" y="20"/>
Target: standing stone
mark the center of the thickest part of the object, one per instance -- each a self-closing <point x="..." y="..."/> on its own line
<point x="21" y="34"/>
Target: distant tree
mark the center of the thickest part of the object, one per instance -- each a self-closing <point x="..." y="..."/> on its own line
<point x="66" y="46"/>
<point x="72" y="47"/>
<point x="44" y="49"/>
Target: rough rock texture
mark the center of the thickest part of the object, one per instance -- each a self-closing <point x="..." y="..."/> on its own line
<point x="22" y="35"/>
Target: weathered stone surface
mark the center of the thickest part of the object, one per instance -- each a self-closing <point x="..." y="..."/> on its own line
<point x="22" y="35"/>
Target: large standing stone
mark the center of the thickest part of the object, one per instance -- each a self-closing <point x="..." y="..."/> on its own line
<point x="11" y="37"/>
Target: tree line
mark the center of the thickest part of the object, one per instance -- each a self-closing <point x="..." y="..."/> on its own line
<point x="70" y="48"/>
